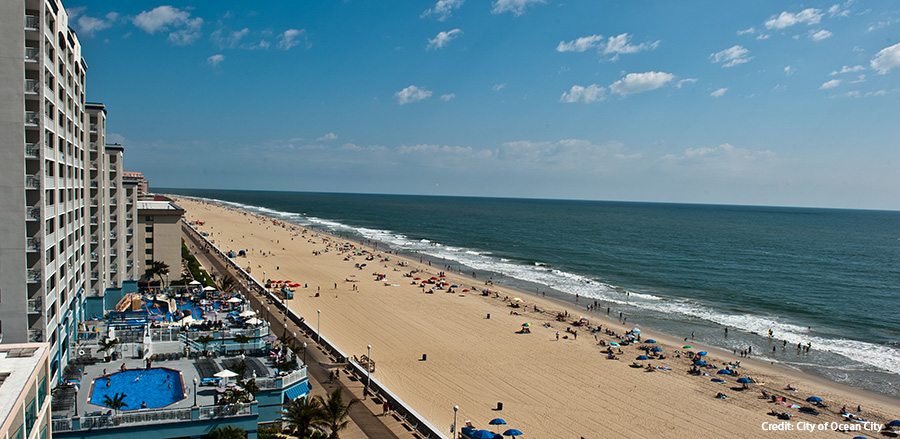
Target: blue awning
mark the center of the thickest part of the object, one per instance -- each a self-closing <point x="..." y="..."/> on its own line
<point x="300" y="389"/>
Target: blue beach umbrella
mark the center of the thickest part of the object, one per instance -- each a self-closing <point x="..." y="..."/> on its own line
<point x="650" y="341"/>
<point x="716" y="380"/>
<point x="497" y="421"/>
<point x="701" y="353"/>
<point x="482" y="434"/>
<point x="724" y="372"/>
<point x="744" y="380"/>
<point x="895" y="423"/>
<point x="699" y="363"/>
<point x="642" y="357"/>
<point x="512" y="432"/>
<point x="813" y="399"/>
<point x="655" y="349"/>
<point x="612" y="343"/>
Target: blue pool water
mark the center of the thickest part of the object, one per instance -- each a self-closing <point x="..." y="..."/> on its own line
<point x="157" y="387"/>
<point x="159" y="310"/>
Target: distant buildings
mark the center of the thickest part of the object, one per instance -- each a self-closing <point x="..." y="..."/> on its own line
<point x="25" y="391"/>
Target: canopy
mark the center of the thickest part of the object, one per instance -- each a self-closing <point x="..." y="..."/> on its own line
<point x="650" y="341"/>
<point x="701" y="353"/>
<point x="724" y="372"/>
<point x="744" y="380"/>
<point x="512" y="432"/>
<point x="254" y="321"/>
<point x="655" y="349"/>
<point x="208" y="288"/>
<point x="225" y="373"/>
<point x="194" y="282"/>
<point x="497" y="421"/>
<point x="813" y="399"/>
<point x="642" y="357"/>
<point x="248" y="313"/>
<point x="235" y="300"/>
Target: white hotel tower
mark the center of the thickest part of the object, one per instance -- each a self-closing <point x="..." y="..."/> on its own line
<point x="66" y="220"/>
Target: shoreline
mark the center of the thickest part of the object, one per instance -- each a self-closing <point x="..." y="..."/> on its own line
<point x="771" y="372"/>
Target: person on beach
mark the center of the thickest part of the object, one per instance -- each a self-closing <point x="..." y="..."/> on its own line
<point x="557" y="335"/>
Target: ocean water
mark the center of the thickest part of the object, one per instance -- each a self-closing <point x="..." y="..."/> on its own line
<point x="826" y="277"/>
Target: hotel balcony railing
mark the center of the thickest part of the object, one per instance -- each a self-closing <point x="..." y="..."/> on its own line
<point x="94" y="257"/>
<point x="94" y="240"/>
<point x="32" y="213"/>
<point x="112" y="185"/>
<point x="113" y="218"/>
<point x="32" y="86"/>
<point x="129" y="217"/>
<point x="32" y="118"/>
<point x="93" y="128"/>
<point x="32" y="54"/>
<point x="157" y="417"/>
<point x="35" y="336"/>
<point x="129" y="232"/>
<point x="32" y="22"/>
<point x="93" y="146"/>
<point x="33" y="275"/>
<point x="33" y="244"/>
<point x="113" y="254"/>
<point x="51" y="210"/>
<point x="113" y="268"/>
<point x="94" y="184"/>
<point x="93" y="221"/>
<point x="35" y="306"/>
<point x="32" y="182"/>
<point x="32" y="151"/>
<point x="129" y="248"/>
<point x="112" y="235"/>
<point x="95" y="275"/>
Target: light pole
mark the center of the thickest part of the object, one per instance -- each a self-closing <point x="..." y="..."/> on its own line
<point x="368" y="370"/>
<point x="195" y="391"/>
<point x="304" y="351"/>
<point x="318" y="325"/>
<point x="268" y="313"/>
<point x="455" y="411"/>
<point x="76" y="400"/>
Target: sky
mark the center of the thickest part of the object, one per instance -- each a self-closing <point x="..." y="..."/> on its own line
<point x="756" y="103"/>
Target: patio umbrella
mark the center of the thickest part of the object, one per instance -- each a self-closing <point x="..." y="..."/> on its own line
<point x="650" y="341"/>
<point x="208" y="288"/>
<point x="225" y="373"/>
<point x="512" y="432"/>
<point x="254" y="321"/>
<point x="702" y="353"/>
<point x="497" y="421"/>
<point x="194" y="282"/>
<point x="642" y="357"/>
<point x="235" y="300"/>
<point x="482" y="434"/>
<point x="247" y="313"/>
<point x="895" y="423"/>
<point x="744" y="380"/>
<point x="686" y="347"/>
<point x="699" y="363"/>
<point x="724" y="372"/>
<point x="813" y="399"/>
<point x="655" y="349"/>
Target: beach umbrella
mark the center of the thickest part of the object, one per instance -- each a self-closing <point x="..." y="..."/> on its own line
<point x="701" y="353"/>
<point x="636" y="331"/>
<point x="699" y="363"/>
<point x="208" y="288"/>
<point x="717" y="380"/>
<point x="512" y="432"/>
<point x="234" y="300"/>
<point x="655" y="349"/>
<point x="194" y="282"/>
<point x="254" y="321"/>
<point x="225" y="373"/>
<point x="497" y="421"/>
<point x="724" y="372"/>
<point x="743" y="380"/>
<point x="813" y="399"/>
<point x="642" y="357"/>
<point x="482" y="434"/>
<point x="612" y="343"/>
<point x="247" y="313"/>
<point x="526" y="324"/>
<point x="650" y="341"/>
<point x="895" y="423"/>
<point x="686" y="347"/>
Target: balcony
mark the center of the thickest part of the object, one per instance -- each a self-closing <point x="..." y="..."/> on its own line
<point x="113" y="218"/>
<point x="93" y="221"/>
<point x="129" y="248"/>
<point x="33" y="244"/>
<point x="35" y="306"/>
<point x="35" y="336"/>
<point x="32" y="86"/>
<point x="129" y="233"/>
<point x="94" y="184"/>
<point x="50" y="210"/>
<point x="33" y="275"/>
<point x="32" y="118"/>
<point x="94" y="240"/>
<point x="93" y="128"/>
<point x="94" y="257"/>
<point x="112" y="185"/>
<point x="32" y="22"/>
<point x="93" y="146"/>
<point x="113" y="254"/>
<point x="95" y="275"/>
<point x="32" y="54"/>
<point x="32" y="214"/>
<point x="129" y="217"/>
<point x="32" y="182"/>
<point x="113" y="268"/>
<point x="32" y="151"/>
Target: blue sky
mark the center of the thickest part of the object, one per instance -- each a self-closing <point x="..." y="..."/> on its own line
<point x="762" y="102"/>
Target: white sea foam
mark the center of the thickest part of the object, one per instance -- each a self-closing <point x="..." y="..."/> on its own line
<point x="876" y="356"/>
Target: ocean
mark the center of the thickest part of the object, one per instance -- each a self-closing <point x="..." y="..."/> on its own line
<point x="827" y="277"/>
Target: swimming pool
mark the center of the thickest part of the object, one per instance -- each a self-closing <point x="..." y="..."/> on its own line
<point x="156" y="387"/>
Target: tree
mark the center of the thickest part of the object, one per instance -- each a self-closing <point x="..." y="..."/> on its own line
<point x="302" y="414"/>
<point x="108" y="345"/>
<point x="205" y="340"/>
<point x="227" y="285"/>
<point x="116" y="402"/>
<point x="228" y="432"/>
<point x="242" y="339"/>
<point x="240" y="369"/>
<point x="160" y="269"/>
<point x="335" y="412"/>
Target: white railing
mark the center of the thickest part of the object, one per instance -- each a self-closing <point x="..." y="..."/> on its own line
<point x="32" y="118"/>
<point x="32" y="53"/>
<point x="32" y="86"/>
<point x="32" y="22"/>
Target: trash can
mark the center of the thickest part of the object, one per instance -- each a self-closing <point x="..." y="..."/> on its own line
<point x="499" y="406"/>
<point x="424" y="357"/>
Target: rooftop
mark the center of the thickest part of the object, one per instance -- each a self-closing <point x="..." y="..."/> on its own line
<point x="158" y="205"/>
<point x="17" y="363"/>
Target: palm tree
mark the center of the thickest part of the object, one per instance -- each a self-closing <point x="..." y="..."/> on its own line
<point x="205" y="340"/>
<point x="228" y="432"/>
<point x="160" y="269"/>
<point x="227" y="285"/>
<point x="286" y="340"/>
<point x="240" y="369"/>
<point x="335" y="412"/>
<point x="302" y="414"/>
<point x="242" y="339"/>
<point x="116" y="402"/>
<point x="108" y="345"/>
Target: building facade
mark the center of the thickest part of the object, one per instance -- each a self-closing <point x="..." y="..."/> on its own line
<point x="159" y="234"/>
<point x="25" y="391"/>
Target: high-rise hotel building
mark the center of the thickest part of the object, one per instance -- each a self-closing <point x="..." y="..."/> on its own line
<point x="66" y="219"/>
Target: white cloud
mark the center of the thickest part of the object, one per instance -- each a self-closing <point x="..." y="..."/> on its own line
<point x="808" y="16"/>
<point x="640" y="82"/>
<point x="186" y="30"/>
<point x="291" y="38"/>
<point x="840" y="10"/>
<point x="725" y="160"/>
<point x="442" y="38"/>
<point x="411" y="94"/>
<point x="819" y="35"/>
<point x="329" y="136"/>
<point x="685" y="81"/>
<point x="860" y="78"/>
<point x="886" y="59"/>
<point x="577" y="93"/>
<point x="751" y="31"/>
<point x="580" y="44"/>
<point x="442" y="9"/>
<point x="731" y="56"/>
<point x="830" y="84"/>
<point x="621" y="44"/>
<point x="719" y="93"/>
<point x="215" y="59"/>
<point x="188" y="34"/>
<point x="498" y="87"/>
<point x="447" y="97"/>
<point x="848" y="69"/>
<point x="231" y="40"/>
<point x="788" y="70"/>
<point x="517" y="7"/>
<point x="87" y="25"/>
<point x="877" y="93"/>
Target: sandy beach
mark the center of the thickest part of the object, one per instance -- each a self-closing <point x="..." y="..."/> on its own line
<point x="549" y="387"/>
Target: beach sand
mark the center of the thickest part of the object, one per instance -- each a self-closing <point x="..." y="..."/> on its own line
<point x="549" y="388"/>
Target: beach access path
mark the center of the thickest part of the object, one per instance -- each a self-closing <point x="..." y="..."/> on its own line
<point x="549" y="387"/>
